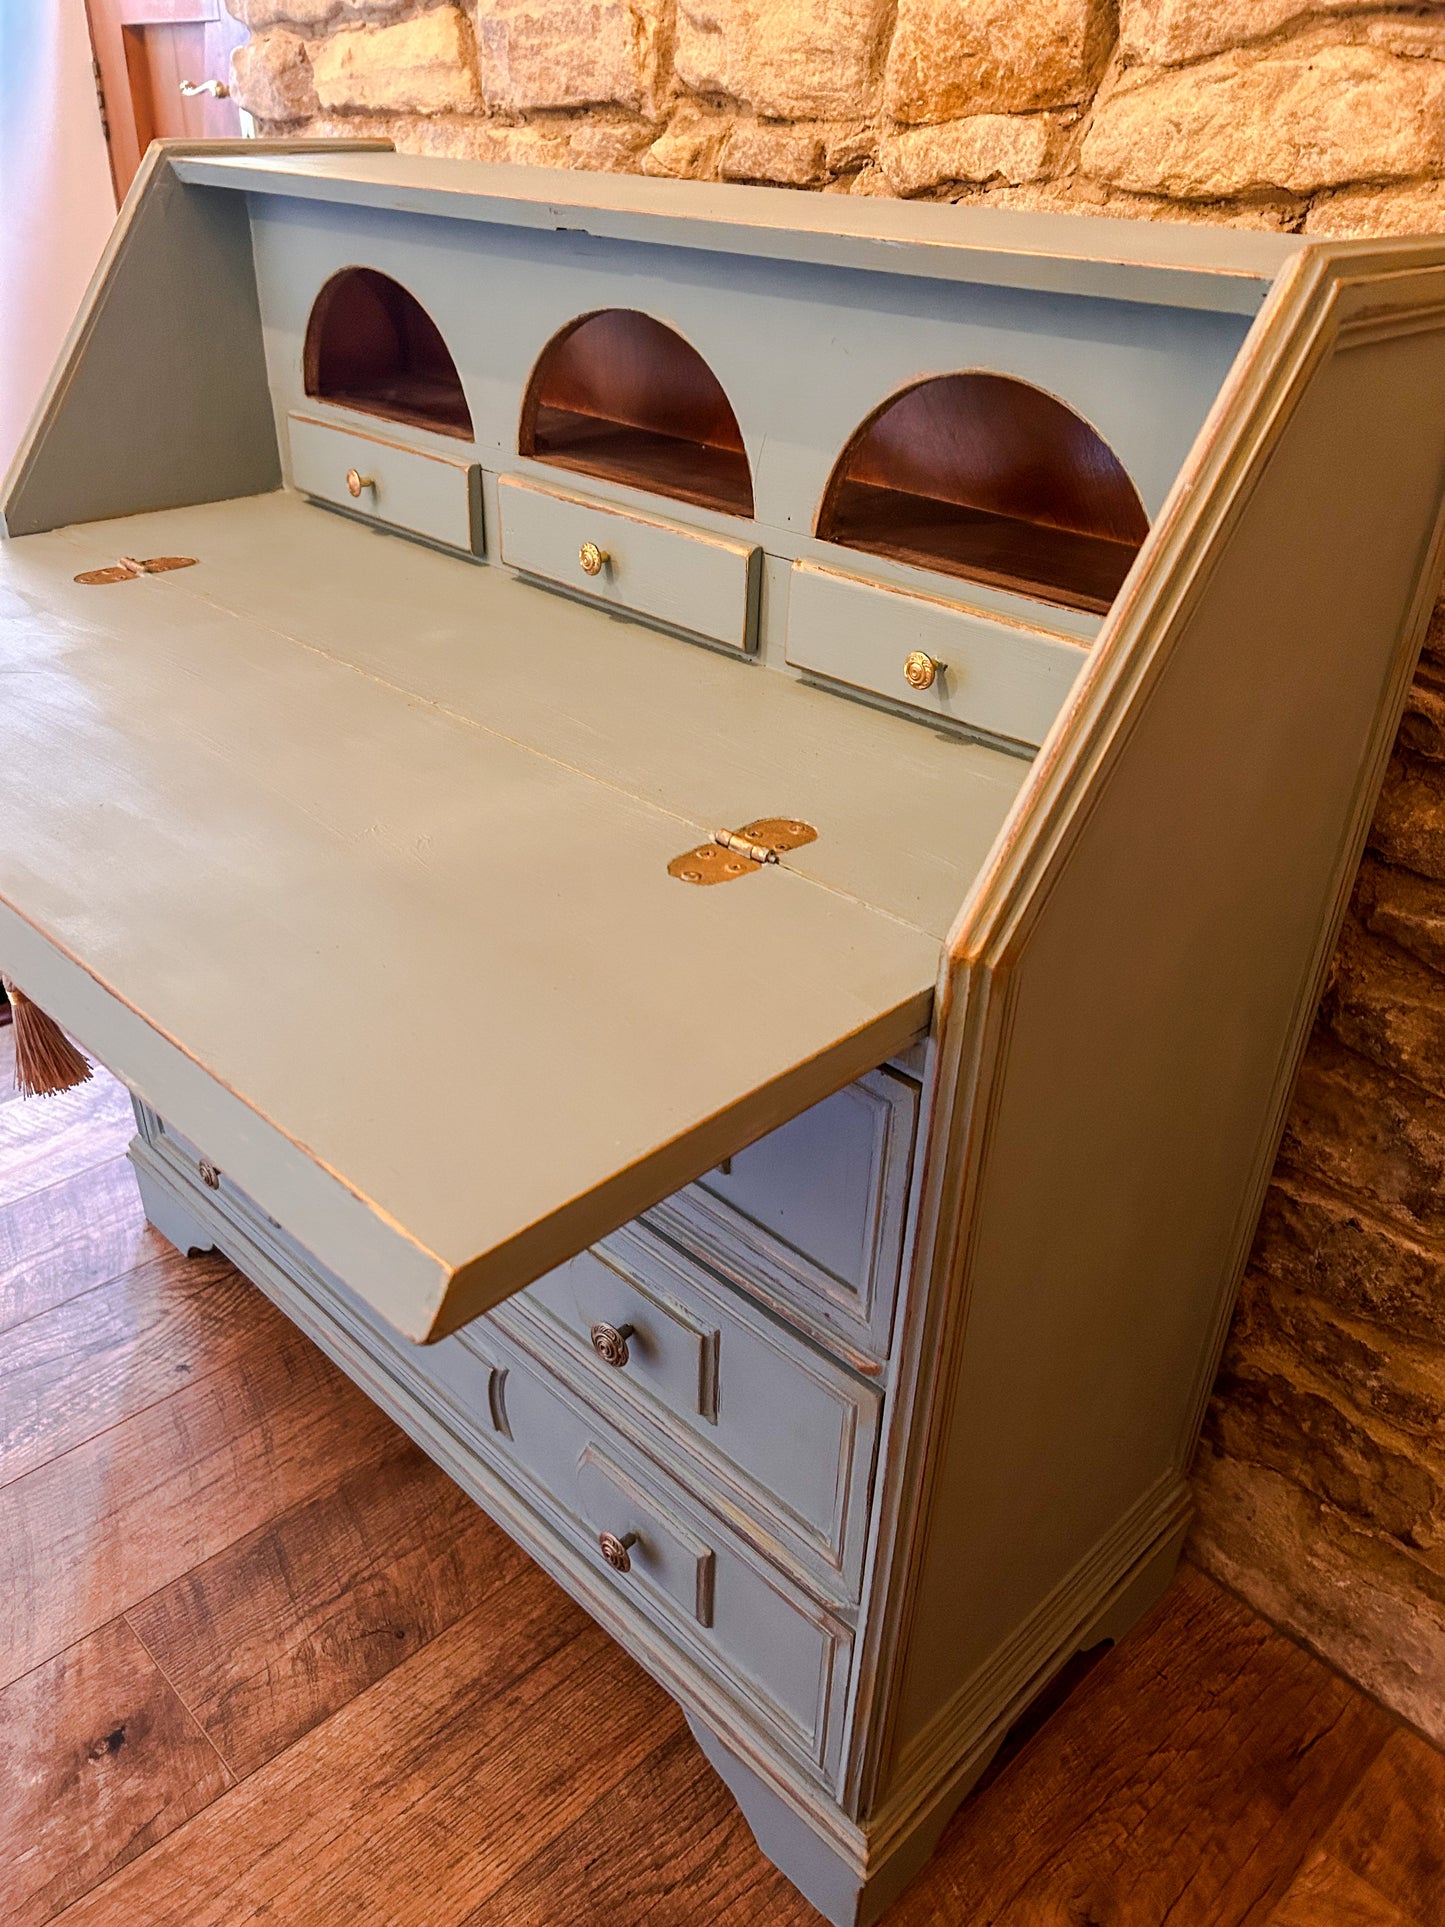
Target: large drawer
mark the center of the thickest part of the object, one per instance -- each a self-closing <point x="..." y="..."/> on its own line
<point x="782" y="1656"/>
<point x="812" y="1217"/>
<point x="785" y="1435"/>
<point x="408" y="488"/>
<point x="683" y="577"/>
<point x="940" y="657"/>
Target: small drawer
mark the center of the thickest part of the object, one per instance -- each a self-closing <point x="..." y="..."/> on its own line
<point x="408" y="488"/>
<point x="940" y="657"/>
<point x="772" y="1647"/>
<point x="811" y="1218"/>
<point x="786" y="1435"/>
<point x="689" y="580"/>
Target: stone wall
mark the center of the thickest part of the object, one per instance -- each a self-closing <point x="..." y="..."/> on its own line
<point x="1322" y="1475"/>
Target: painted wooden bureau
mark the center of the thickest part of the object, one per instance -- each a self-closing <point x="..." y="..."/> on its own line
<point x="707" y="824"/>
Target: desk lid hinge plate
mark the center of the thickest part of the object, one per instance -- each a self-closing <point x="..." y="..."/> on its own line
<point x="730" y="854"/>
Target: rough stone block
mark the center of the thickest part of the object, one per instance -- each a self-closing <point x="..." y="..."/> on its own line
<point x="949" y="58"/>
<point x="315" y="16"/>
<point x="271" y="78"/>
<point x="1314" y="1242"/>
<point x="688" y="148"/>
<point x="1381" y="1377"/>
<point x="788" y="154"/>
<point x="420" y="66"/>
<point x="1418" y="36"/>
<point x="1352" y="213"/>
<point x="1066" y="193"/>
<point x="541" y="54"/>
<point x="1408" y="909"/>
<point x="1269" y="1418"/>
<point x="986" y="147"/>
<point x="808" y="60"/>
<point x="472" y="137"/>
<point x="1422" y="730"/>
<point x="1294" y="119"/>
<point x="1373" y="1609"/>
<point x="608" y="146"/>
<point x="1389" y="1007"/>
<point x="1409" y="825"/>
<point x="1167" y="32"/>
<point x="1374" y="1137"/>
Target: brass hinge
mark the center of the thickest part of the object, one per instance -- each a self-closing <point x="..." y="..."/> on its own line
<point x="130" y="567"/>
<point x="738" y="853"/>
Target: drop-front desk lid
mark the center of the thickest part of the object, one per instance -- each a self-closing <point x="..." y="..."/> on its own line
<point x="351" y="859"/>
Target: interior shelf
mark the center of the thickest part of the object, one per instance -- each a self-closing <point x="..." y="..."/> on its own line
<point x="621" y="396"/>
<point x="370" y="345"/>
<point x="989" y="479"/>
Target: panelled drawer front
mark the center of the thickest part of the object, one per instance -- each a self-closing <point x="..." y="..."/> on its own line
<point x="410" y="488"/>
<point x="783" y="1657"/>
<point x="171" y="1145"/>
<point x="812" y="1216"/>
<point x="997" y="676"/>
<point x="683" y="577"/>
<point x="788" y="1435"/>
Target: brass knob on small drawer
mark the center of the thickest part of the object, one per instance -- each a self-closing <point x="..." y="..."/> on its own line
<point x="610" y="1343"/>
<point x="593" y="559"/>
<point x="356" y="481"/>
<point x="617" y="1551"/>
<point x="919" y="670"/>
<point x="210" y="1176"/>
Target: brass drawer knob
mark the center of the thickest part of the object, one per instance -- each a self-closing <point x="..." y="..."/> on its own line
<point x="210" y="1176"/>
<point x="610" y="1343"/>
<point x="919" y="670"/>
<point x="617" y="1552"/>
<point x="593" y="559"/>
<point x="356" y="482"/>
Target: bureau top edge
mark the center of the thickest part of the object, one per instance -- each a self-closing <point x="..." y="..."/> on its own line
<point x="1226" y="270"/>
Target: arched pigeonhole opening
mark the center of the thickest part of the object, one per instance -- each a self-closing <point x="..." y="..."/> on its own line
<point x="620" y="395"/>
<point x="371" y="345"/>
<point x="986" y="477"/>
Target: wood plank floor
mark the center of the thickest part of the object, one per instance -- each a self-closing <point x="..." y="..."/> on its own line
<point x="260" y="1660"/>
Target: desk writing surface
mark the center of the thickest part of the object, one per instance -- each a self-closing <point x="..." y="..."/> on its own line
<point x="421" y="986"/>
<point x="905" y="813"/>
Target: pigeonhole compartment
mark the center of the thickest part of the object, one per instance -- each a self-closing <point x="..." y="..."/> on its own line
<point x="621" y="396"/>
<point x="371" y="346"/>
<point x="989" y="479"/>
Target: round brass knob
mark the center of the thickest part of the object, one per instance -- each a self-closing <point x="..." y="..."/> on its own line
<point x="616" y="1551"/>
<point x="610" y="1343"/>
<point x="356" y="481"/>
<point x="919" y="670"/>
<point x="593" y="559"/>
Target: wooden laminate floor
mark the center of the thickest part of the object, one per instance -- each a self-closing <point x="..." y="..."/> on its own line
<point x="259" y="1660"/>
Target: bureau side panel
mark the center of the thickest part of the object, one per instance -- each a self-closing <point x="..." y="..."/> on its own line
<point x="159" y="397"/>
<point x="1136" y="1015"/>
